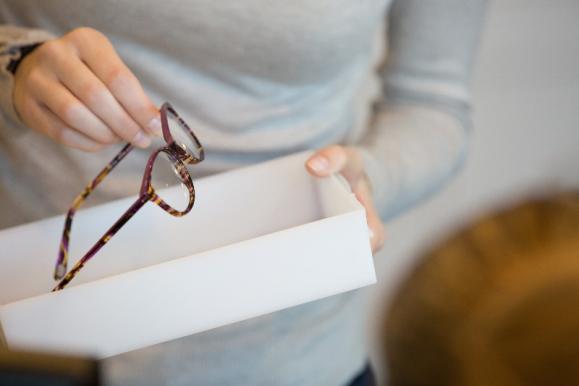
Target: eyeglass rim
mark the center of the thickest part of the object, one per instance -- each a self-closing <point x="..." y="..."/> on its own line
<point x="186" y="157"/>
<point x="147" y="193"/>
<point x="147" y="188"/>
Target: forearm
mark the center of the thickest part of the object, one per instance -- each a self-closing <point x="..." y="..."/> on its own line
<point x="410" y="153"/>
<point x="420" y="132"/>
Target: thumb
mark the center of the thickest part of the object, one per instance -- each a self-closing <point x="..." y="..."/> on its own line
<point x="336" y="159"/>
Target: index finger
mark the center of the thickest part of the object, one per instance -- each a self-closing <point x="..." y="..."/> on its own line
<point x="101" y="57"/>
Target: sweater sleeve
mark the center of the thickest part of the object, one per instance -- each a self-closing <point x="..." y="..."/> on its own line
<point x="419" y="133"/>
<point x="12" y="38"/>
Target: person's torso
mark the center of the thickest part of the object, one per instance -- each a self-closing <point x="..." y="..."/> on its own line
<point x="255" y="79"/>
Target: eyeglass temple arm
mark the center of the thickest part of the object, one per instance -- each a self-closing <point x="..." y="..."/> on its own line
<point x="102" y="241"/>
<point x="62" y="261"/>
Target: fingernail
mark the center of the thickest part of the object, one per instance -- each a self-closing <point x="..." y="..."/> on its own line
<point x="371" y="233"/>
<point x="141" y="140"/>
<point x="318" y="163"/>
<point x="155" y="127"/>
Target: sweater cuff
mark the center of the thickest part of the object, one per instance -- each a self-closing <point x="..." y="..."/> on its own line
<point x="12" y="38"/>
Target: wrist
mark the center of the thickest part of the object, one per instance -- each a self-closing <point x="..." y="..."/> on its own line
<point x="375" y="175"/>
<point x="23" y="51"/>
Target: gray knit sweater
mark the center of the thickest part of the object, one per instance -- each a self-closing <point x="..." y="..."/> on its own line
<point x="259" y="79"/>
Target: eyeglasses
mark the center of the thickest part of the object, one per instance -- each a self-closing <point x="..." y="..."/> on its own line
<point x="182" y="147"/>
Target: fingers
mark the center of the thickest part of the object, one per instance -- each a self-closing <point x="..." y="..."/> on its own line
<point x="375" y="224"/>
<point x="117" y="78"/>
<point x="56" y="129"/>
<point x="71" y="111"/>
<point x="91" y="92"/>
<point x="348" y="162"/>
<point x="86" y="87"/>
<point x="337" y="159"/>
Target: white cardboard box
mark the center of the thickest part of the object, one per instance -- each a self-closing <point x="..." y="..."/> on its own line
<point x="258" y="240"/>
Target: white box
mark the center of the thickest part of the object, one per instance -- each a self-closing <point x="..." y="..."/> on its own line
<point x="259" y="239"/>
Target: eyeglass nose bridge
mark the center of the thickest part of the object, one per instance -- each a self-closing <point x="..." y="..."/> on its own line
<point x="186" y="157"/>
<point x="148" y="189"/>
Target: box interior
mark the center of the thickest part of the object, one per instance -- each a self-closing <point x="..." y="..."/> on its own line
<point x="230" y="207"/>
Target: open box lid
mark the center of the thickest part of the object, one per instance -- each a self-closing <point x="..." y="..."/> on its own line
<point x="258" y="240"/>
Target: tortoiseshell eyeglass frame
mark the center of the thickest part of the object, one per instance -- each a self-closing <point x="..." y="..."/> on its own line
<point x="179" y="156"/>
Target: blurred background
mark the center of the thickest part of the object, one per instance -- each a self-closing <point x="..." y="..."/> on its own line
<point x="525" y="137"/>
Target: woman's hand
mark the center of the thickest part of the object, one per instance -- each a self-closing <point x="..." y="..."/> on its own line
<point x="348" y="162"/>
<point x="77" y="91"/>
